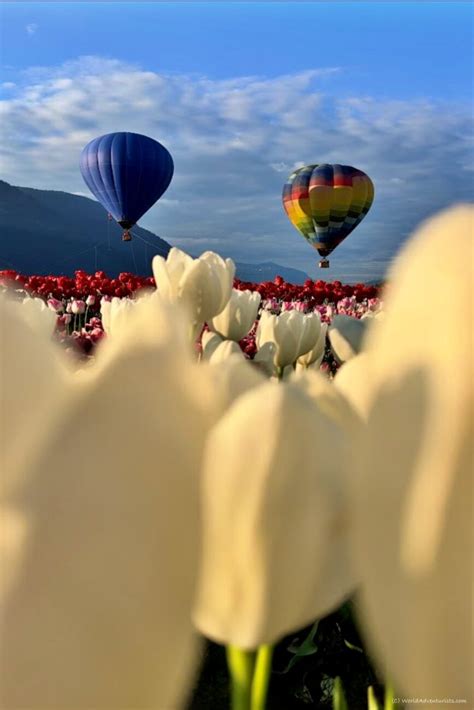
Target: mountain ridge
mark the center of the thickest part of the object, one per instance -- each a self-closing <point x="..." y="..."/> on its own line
<point x="54" y="231"/>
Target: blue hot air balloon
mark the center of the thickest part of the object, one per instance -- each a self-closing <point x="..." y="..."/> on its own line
<point x="127" y="173"/>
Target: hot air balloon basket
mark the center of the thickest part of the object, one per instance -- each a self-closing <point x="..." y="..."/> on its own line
<point x="126" y="236"/>
<point x="324" y="264"/>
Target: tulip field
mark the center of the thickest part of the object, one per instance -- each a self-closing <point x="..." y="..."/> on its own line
<point x="79" y="310"/>
<point x="221" y="495"/>
<point x="77" y="303"/>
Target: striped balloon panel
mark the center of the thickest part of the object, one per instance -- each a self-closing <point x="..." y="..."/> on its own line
<point x="296" y="201"/>
<point x="327" y="202"/>
<point x="127" y="173"/>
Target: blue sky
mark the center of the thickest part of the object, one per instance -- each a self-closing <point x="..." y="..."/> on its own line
<point x="241" y="93"/>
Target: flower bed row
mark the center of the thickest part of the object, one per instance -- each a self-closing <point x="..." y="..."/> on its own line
<point x="126" y="284"/>
<point x="77" y="302"/>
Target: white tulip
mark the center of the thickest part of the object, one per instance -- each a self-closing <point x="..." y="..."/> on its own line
<point x="169" y="272"/>
<point x="346" y="336"/>
<point x="413" y="495"/>
<point x="292" y="332"/>
<point x="316" y="354"/>
<point x="310" y="332"/>
<point x="264" y="359"/>
<point x="98" y="569"/>
<point x="209" y="342"/>
<point x="239" y="315"/>
<point x="225" y="350"/>
<point x="203" y="285"/>
<point x="273" y="521"/>
<point x="285" y="341"/>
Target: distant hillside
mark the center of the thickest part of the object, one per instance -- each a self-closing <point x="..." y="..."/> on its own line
<point x="52" y="232"/>
<point x="267" y="272"/>
<point x="45" y="231"/>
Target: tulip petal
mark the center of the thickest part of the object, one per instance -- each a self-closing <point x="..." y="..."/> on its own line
<point x="413" y="491"/>
<point x="272" y="519"/>
<point x="34" y="376"/>
<point x="95" y="603"/>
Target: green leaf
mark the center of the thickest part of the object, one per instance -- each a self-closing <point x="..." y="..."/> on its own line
<point x="300" y="650"/>
<point x="307" y="648"/>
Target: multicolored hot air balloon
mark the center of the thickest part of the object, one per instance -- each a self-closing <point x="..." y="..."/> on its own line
<point x="127" y="173"/>
<point x="326" y="203"/>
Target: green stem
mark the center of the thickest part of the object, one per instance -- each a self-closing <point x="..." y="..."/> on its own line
<point x="389" y="704"/>
<point x="241" y="666"/>
<point x="261" y="677"/>
<point x="372" y="703"/>
<point x="338" y="697"/>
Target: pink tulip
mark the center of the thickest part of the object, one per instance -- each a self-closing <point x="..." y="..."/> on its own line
<point x="55" y="305"/>
<point x="95" y="323"/>
<point x="299" y="306"/>
<point x="78" y="307"/>
<point x="96" y="334"/>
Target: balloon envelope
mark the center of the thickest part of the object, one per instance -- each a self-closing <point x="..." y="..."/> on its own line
<point x="127" y="173"/>
<point x="327" y="202"/>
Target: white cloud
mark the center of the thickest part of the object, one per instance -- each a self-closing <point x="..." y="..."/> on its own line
<point x="31" y="28"/>
<point x="234" y="141"/>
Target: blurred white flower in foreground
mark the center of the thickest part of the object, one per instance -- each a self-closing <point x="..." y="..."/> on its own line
<point x="353" y="381"/>
<point x="373" y="315"/>
<point x="273" y="519"/>
<point x="413" y="495"/>
<point x="99" y="523"/>
<point x="227" y="380"/>
<point x="147" y="321"/>
<point x="328" y="398"/>
<point x="239" y="315"/>
<point x="346" y="336"/>
<point x="203" y="285"/>
<point x="226" y="350"/>
<point x="210" y="342"/>
<point x="33" y="377"/>
<point x="293" y="334"/>
<point x="38" y="314"/>
<point x="115" y="312"/>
